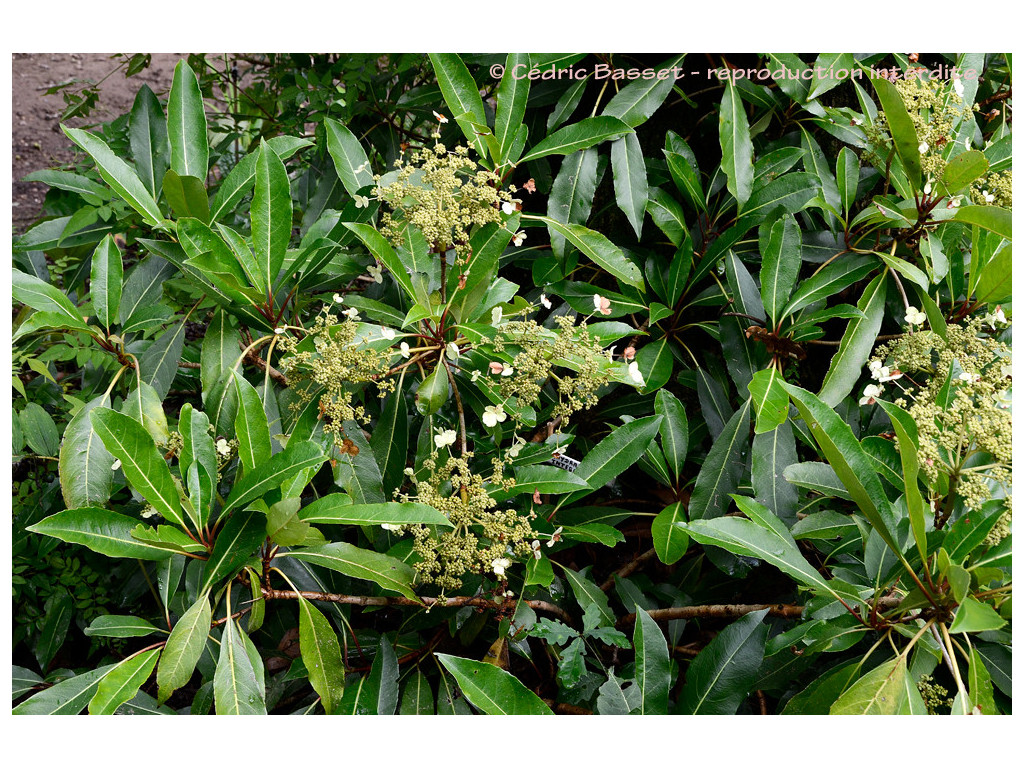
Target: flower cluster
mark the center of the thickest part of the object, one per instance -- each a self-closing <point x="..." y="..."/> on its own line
<point x="444" y="195"/>
<point x="483" y="537"/>
<point x="994" y="189"/>
<point x="958" y="392"/>
<point x="335" y="365"/>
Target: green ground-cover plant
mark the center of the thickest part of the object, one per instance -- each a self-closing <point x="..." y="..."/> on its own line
<point x="424" y="411"/>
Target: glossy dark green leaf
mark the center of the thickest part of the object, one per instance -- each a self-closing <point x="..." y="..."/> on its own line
<point x="491" y="689"/>
<point x="39" y="429"/>
<point x="906" y="435"/>
<point x="588" y="595"/>
<point x="84" y="463"/>
<point x="975" y="616"/>
<point x="855" y="348"/>
<point x="57" y="613"/>
<point x="390" y="440"/>
<point x="271" y="213"/>
<point x="141" y="462"/>
<point x="69" y="697"/>
<point x="43" y="297"/>
<point x="147" y="134"/>
<point x="338" y="509"/>
<point x="772" y="452"/>
<point x="462" y="97"/>
<point x="721" y="471"/>
<point x="879" y="692"/>
<point x="675" y="431"/>
<point x="121" y="683"/>
<point x="273" y="473"/>
<point x="572" y="194"/>
<point x="184" y="647"/>
<point x="159" y="363"/>
<point x="321" y="654"/>
<point x="598" y="249"/>
<point x="617" y="452"/>
<point x="540" y="478"/>
<point x="385" y="254"/>
<point x="630" y="179"/>
<point x="963" y="169"/>
<point x="417" y="696"/>
<point x="990" y="217"/>
<point x="814" y="162"/>
<point x="377" y="693"/>
<point x="847" y="178"/>
<point x="239" y="182"/>
<point x="118" y="174"/>
<point x="770" y="401"/>
<point x="721" y="675"/>
<point x="639" y="99"/>
<point x="652" y="665"/>
<point x="790" y="192"/>
<point x="101" y="530"/>
<point x="186" y="125"/>
<point x="737" y="150"/>
<point x="513" y="91"/>
<point x="349" y="157"/>
<point x="996" y="280"/>
<point x="667" y="215"/>
<point x="586" y="133"/>
<point x="433" y="391"/>
<point x="236" y="542"/>
<point x="670" y="540"/>
<point x="109" y="625"/>
<point x="901" y="127"/>
<point x="251" y="426"/>
<point x="385" y="571"/>
<point x="235" y="684"/>
<point x="780" y="265"/>
<point x="106" y="280"/>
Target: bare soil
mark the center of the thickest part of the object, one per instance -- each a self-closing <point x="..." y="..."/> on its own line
<point x="37" y="141"/>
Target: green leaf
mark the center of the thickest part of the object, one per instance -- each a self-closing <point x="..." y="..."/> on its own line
<point x="239" y="181"/>
<point x="880" y="692"/>
<point x="184" y="647"/>
<point x="385" y="254"/>
<point x="652" y="664"/>
<point x="790" y="192"/>
<point x="670" y="540"/>
<point x="43" y="297"/>
<point x="630" y="179"/>
<point x="338" y="509"/>
<point x="979" y="682"/>
<point x="814" y="163"/>
<point x="270" y="213"/>
<point x="118" y="175"/>
<point x="849" y="460"/>
<point x="617" y="452"/>
<point x="159" y="363"/>
<point x="975" y="616"/>
<point x="513" y="91"/>
<point x="589" y="594"/>
<point x="236" y="687"/>
<point x="39" y="430"/>
<point x="390" y="439"/>
<point x="491" y="689"/>
<point x="236" y="542"/>
<point x="540" y="478"/>
<point x="142" y="463"/>
<point x="147" y="135"/>
<point x="121" y="683"/>
<point x="668" y="216"/>
<point x="119" y="626"/>
<point x="769" y="399"/>
<point x="996" y="281"/>
<point x="781" y="250"/>
<point x="273" y="473"/>
<point x="990" y="217"/>
<point x="636" y="102"/>
<point x="721" y="471"/>
<point x="904" y="135"/>
<point x="56" y="621"/>
<point x="251" y="425"/>
<point x="350" y="159"/>
<point x="377" y="693"/>
<point x="572" y="194"/>
<point x="906" y="434"/>
<point x="461" y="95"/>
<point x="737" y="150"/>
<point x="586" y="133"/>
<point x="101" y="530"/>
<point x="721" y="675"/>
<point x="385" y="571"/>
<point x="829" y="281"/>
<point x="186" y="125"/>
<point x="321" y="655"/>
<point x="105" y="282"/>
<point x="71" y="182"/>
<point x="675" y="431"/>
<point x="847" y="365"/>
<point x="598" y="249"/>
<point x="433" y="391"/>
<point x="69" y="697"/>
<point x="847" y="177"/>
<point x="963" y="169"/>
<point x="772" y="452"/>
<point x="417" y="696"/>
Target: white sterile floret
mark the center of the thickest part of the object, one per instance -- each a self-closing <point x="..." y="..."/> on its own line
<point x="914" y="316"/>
<point x="871" y="391"/>
<point x="352" y="313"/>
<point x="499" y="565"/>
<point x="494" y="414"/>
<point x="452" y="351"/>
<point x="361" y="201"/>
<point x="222" y="447"/>
<point x="922" y="147"/>
<point x="635" y="375"/>
<point x="375" y="273"/>
<point x="404" y="349"/>
<point x="602" y="304"/>
<point x="338" y="298"/>
<point x="518" y="237"/>
<point x="444" y="438"/>
<point x="545" y="301"/>
<point x="387" y="333"/>
<point x="390" y="527"/>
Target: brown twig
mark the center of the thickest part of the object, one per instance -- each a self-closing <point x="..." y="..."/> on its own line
<point x="736" y="611"/>
<point x="628" y="568"/>
<point x="186" y="364"/>
<point x="423" y="602"/>
<point x="262" y="364"/>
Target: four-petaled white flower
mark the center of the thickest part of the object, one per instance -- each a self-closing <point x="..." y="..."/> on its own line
<point x="988" y="196"/>
<point x="509" y="207"/>
<point x="1003" y="399"/>
<point x="440" y="118"/>
<point x="452" y="351"/>
<point x="338" y="298"/>
<point x="474" y="376"/>
<point x="958" y="86"/>
<point x="279" y="331"/>
<point x="352" y="313"/>
<point x="928" y="186"/>
<point x="499" y="565"/>
<point x="602" y="304"/>
<point x="635" y="375"/>
<point x="387" y="333"/>
<point x="222" y="447"/>
<point x="390" y="527"/>
<point x="374" y="270"/>
<point x="444" y="438"/>
<point x="507" y="370"/>
<point x="115" y="466"/>
<point x="517" y="446"/>
<point x="494" y="414"/>
<point x="535" y="546"/>
<point x="404" y="349"/>
<point x="518" y="237"/>
<point x="555" y="537"/>
<point x="882" y="373"/>
<point x="545" y="301"/>
<point x="922" y="147"/>
<point x="361" y="201"/>
<point x="915" y="316"/>
<point x="871" y="391"/>
<point x="996" y="318"/>
<point x="969" y="377"/>
<point x="954" y="202"/>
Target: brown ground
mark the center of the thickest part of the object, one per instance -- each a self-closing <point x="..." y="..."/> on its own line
<point x="37" y="141"/>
